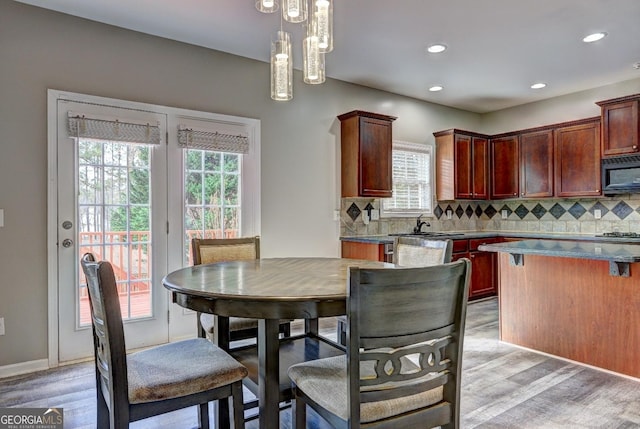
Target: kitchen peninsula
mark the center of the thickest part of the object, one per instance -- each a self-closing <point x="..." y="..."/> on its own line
<point x="573" y="299"/>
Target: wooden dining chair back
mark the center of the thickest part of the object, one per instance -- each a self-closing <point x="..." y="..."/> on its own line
<point x="409" y="252"/>
<point x="404" y="352"/>
<point x="156" y="380"/>
<point x="211" y="250"/>
<point x="421" y="252"/>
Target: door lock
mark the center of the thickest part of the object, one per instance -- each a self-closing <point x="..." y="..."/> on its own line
<point x="67" y="242"/>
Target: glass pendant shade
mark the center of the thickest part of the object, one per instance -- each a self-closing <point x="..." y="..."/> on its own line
<point x="281" y="67"/>
<point x="294" y="10"/>
<point x="322" y="23"/>
<point x="313" y="61"/>
<point x="267" y="6"/>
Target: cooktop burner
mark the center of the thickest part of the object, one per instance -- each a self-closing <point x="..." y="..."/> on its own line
<point x="621" y="234"/>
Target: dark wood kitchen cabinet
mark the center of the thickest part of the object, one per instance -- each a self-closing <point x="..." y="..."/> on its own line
<point x="462" y="165"/>
<point x="483" y="265"/>
<point x="577" y="160"/>
<point x="504" y="167"/>
<point x="366" y="154"/>
<point x="620" y="125"/>
<point x="536" y="164"/>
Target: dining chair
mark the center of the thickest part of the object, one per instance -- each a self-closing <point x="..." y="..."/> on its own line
<point x="409" y="252"/>
<point x="132" y="387"/>
<point x="403" y="359"/>
<point x="210" y="250"/>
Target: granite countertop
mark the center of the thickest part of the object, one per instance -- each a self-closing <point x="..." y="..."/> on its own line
<point x="461" y="235"/>
<point x="614" y="252"/>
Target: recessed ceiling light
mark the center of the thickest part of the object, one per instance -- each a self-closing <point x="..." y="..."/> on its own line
<point x="436" y="49"/>
<point x="538" y="85"/>
<point x="594" y="37"/>
<point x="436" y="88"/>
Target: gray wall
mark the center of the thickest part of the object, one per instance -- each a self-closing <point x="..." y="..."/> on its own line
<point x="570" y="107"/>
<point x="40" y="49"/>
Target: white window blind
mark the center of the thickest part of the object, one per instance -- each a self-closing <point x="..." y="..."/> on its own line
<point x="412" y="188"/>
<point x="112" y="129"/>
<point x="190" y="138"/>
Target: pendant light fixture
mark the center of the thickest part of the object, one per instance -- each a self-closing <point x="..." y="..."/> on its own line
<point x="313" y="59"/>
<point x="318" y="41"/>
<point x="281" y="67"/>
<point x="267" y="6"/>
<point x="294" y="10"/>
<point x="322" y="23"/>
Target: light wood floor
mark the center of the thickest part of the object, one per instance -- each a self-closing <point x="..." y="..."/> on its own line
<point x="502" y="387"/>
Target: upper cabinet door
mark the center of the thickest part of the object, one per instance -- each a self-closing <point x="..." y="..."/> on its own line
<point x="620" y="125"/>
<point x="375" y="158"/>
<point x="536" y="164"/>
<point x="463" y="166"/>
<point x="366" y="154"/>
<point x="577" y="166"/>
<point x="480" y="164"/>
<point x="504" y="171"/>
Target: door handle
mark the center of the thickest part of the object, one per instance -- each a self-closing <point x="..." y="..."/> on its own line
<point x="67" y="242"/>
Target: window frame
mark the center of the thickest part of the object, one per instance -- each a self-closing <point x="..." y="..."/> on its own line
<point x="421" y="148"/>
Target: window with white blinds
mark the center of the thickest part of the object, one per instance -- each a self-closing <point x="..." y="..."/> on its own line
<point x="412" y="180"/>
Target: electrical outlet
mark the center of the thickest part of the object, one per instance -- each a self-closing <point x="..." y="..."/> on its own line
<point x="505" y="214"/>
<point x="449" y="214"/>
<point x="1" y="218"/>
<point x="597" y="213"/>
<point x="1" y="325"/>
<point x="336" y="215"/>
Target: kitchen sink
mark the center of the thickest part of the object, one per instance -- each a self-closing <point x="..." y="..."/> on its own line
<point x="426" y="234"/>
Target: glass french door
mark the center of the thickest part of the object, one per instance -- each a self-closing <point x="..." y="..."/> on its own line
<point x="112" y="202"/>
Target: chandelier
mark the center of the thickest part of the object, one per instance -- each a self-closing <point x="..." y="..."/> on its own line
<point x="318" y="40"/>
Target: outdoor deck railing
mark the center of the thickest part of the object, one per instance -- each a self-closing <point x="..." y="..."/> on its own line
<point x="128" y="253"/>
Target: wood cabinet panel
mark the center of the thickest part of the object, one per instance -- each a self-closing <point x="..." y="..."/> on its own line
<point x="572" y="308"/>
<point x="462" y="165"/>
<point x="366" y="155"/>
<point x="577" y="160"/>
<point x="620" y="125"/>
<point x="366" y="251"/>
<point x="480" y="179"/>
<point x="504" y="167"/>
<point x="536" y="164"/>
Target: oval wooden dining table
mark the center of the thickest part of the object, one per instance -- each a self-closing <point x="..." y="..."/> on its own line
<point x="270" y="290"/>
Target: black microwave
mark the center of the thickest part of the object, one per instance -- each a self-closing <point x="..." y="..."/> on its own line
<point x="621" y="175"/>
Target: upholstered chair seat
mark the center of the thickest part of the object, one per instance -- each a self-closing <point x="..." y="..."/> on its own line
<point x="155" y="376"/>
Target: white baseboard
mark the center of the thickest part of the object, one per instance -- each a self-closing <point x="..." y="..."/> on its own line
<point x="23" y="367"/>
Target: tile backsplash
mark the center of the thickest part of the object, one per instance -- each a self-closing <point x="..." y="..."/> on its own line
<point x="577" y="216"/>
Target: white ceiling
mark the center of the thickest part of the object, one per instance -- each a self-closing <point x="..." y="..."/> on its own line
<point x="497" y="48"/>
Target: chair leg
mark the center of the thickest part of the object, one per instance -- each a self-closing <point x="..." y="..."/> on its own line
<point x="342" y="333"/>
<point x="286" y="330"/>
<point x="203" y="415"/>
<point x="222" y="414"/>
<point x="200" y="329"/>
<point x="238" y="405"/>
<point x="102" y="412"/>
<point x="299" y="414"/>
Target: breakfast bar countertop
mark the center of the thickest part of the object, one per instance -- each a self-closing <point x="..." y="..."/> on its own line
<point x="607" y="251"/>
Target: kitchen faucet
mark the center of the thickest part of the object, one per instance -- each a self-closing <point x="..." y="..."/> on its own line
<point x="419" y="224"/>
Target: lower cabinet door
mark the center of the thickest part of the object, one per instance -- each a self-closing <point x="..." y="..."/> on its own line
<point x="483" y="274"/>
